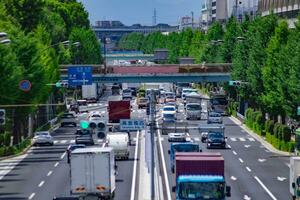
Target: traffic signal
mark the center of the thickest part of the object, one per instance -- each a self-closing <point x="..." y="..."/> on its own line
<point x="84" y="124"/>
<point x="60" y="84"/>
<point x="2" y="117"/>
<point x="235" y="83"/>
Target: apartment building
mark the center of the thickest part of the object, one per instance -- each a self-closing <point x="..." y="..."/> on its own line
<point x="283" y="8"/>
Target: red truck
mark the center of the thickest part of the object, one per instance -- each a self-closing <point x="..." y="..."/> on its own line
<point x="200" y="176"/>
<point x="118" y="110"/>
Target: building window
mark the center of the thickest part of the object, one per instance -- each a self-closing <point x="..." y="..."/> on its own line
<point x="213" y="11"/>
<point x="214" y="4"/>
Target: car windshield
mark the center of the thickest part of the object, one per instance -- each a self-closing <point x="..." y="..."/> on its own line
<point x="193" y="107"/>
<point x="215" y="115"/>
<point x="201" y="191"/>
<point x="219" y="101"/>
<point x="215" y="135"/>
<point x="96" y="116"/>
<point x="127" y="91"/>
<point x="41" y="134"/>
<point x="169" y="108"/>
<point x="84" y="132"/>
<point x="143" y="100"/>
<point x="169" y="116"/>
<point x="82" y="103"/>
<point x="76" y="147"/>
<point x="67" y="116"/>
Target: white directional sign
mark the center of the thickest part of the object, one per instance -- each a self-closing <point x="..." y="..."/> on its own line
<point x="132" y="124"/>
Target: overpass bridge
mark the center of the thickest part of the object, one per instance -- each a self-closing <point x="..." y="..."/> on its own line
<point x="218" y="72"/>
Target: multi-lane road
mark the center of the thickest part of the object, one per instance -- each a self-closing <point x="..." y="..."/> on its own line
<point x="252" y="171"/>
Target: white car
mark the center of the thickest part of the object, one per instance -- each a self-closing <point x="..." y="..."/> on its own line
<point x="214" y="117"/>
<point x="169" y="113"/>
<point x="186" y="91"/>
<point x="42" y="138"/>
<point x="178" y="137"/>
<point x="127" y="94"/>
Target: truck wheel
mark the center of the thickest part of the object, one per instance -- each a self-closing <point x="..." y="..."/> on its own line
<point x="187" y="118"/>
<point x="62" y="125"/>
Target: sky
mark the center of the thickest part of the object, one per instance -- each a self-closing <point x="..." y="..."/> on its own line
<point x="141" y="11"/>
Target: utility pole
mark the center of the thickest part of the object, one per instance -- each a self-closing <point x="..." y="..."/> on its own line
<point x="152" y="132"/>
<point x="104" y="54"/>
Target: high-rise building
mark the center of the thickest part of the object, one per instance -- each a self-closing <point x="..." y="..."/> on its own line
<point x="284" y="8"/>
<point x="240" y="8"/>
<point x="205" y="19"/>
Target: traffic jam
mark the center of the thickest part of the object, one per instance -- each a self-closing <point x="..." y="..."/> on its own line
<point x="104" y="134"/>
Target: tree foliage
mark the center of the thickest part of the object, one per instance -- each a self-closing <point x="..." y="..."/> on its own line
<point x="264" y="53"/>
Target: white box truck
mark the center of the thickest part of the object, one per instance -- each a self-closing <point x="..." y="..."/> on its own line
<point x="119" y="141"/>
<point x="89" y="92"/>
<point x="93" y="172"/>
<point x="295" y="177"/>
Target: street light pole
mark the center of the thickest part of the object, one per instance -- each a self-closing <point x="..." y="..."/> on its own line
<point x="104" y="54"/>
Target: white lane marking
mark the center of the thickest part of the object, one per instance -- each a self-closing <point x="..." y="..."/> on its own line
<point x="248" y="169"/>
<point x="242" y="139"/>
<point x="103" y="145"/>
<point x="134" y="167"/>
<point x="261" y="160"/>
<point x="41" y="183"/>
<point x="241" y="160"/>
<point x="281" y="178"/>
<point x="164" y="165"/>
<point x="72" y="141"/>
<point x="233" y="139"/>
<point x="63" y="141"/>
<point x="102" y="112"/>
<point x="55" y="142"/>
<point x="197" y="139"/>
<point x="56" y="164"/>
<point x="265" y="188"/>
<point x="246" y="197"/>
<point x="233" y="178"/>
<point x="288" y="165"/>
<point x="251" y="139"/>
<point x="247" y="145"/>
<point x="63" y="155"/>
<point x="49" y="173"/>
<point x="234" y="152"/>
<point x="243" y="130"/>
<point x="31" y="196"/>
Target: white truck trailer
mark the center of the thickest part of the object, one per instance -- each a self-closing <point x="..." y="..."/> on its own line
<point x="89" y="92"/>
<point x="295" y="177"/>
<point x="93" y="172"/>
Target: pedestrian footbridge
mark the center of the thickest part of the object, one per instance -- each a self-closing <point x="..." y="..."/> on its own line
<point x="217" y="72"/>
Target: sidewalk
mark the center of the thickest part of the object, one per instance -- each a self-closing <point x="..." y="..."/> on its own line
<point x="259" y="138"/>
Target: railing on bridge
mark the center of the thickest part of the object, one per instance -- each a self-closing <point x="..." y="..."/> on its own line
<point x="156" y="69"/>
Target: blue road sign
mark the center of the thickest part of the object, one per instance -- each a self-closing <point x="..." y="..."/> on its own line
<point x="132" y="124"/>
<point x="80" y="76"/>
<point x="25" y="85"/>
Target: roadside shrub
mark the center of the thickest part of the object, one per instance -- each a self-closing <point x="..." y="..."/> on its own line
<point x="2" y="151"/>
<point x="1" y="139"/>
<point x="249" y="113"/>
<point x="258" y="121"/>
<point x="6" y="141"/>
<point x="286" y="133"/>
<point x="276" y="129"/>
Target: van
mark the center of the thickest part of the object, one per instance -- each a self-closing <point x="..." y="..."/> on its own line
<point x="119" y="141"/>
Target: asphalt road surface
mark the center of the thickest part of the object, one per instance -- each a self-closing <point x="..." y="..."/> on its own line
<point x="43" y="172"/>
<point x="251" y="170"/>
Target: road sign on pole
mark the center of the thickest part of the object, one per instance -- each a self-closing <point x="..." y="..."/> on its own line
<point x="25" y="85"/>
<point x="80" y="75"/>
<point x="132" y="124"/>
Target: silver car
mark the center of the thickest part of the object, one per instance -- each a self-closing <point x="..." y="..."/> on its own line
<point x="214" y="118"/>
<point x="178" y="137"/>
<point x="42" y="138"/>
